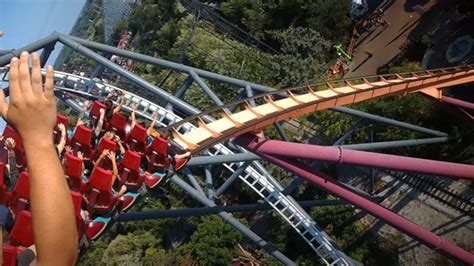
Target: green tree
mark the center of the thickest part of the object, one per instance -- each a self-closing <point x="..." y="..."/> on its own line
<point x="304" y="58"/>
<point x="213" y="242"/>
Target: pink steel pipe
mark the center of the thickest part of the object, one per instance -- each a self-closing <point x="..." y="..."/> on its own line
<point x="363" y="158"/>
<point x="408" y="227"/>
<point x="456" y="102"/>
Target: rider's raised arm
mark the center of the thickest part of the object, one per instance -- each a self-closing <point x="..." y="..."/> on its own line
<point x="32" y="110"/>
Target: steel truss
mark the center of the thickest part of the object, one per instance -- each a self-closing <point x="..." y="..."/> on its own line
<point x="243" y="167"/>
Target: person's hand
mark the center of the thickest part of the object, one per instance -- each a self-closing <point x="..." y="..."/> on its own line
<point x="80" y="122"/>
<point x="104" y="153"/>
<point x="116" y="139"/>
<point x="155" y="115"/>
<point x="1" y="135"/>
<point x="86" y="105"/>
<point x="32" y="108"/>
<point x="111" y="155"/>
<point x="68" y="149"/>
<point x="10" y="144"/>
<point x="80" y="155"/>
<point x="62" y="127"/>
<point x="133" y="106"/>
<point x="102" y="111"/>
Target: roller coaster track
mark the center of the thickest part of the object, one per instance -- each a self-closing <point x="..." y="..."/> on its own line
<point x="303" y="100"/>
<point x="262" y="184"/>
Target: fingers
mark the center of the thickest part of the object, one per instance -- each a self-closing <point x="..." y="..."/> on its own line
<point x="3" y="104"/>
<point x="15" y="90"/>
<point x="36" y="79"/>
<point x="24" y="75"/>
<point x="49" y="83"/>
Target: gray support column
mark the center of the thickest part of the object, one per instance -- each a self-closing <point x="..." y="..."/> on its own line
<point x="348" y="133"/>
<point x="295" y="183"/>
<point x="280" y="131"/>
<point x="129" y="76"/>
<point x="387" y="121"/>
<point x="394" y="144"/>
<point x="231" y="179"/>
<point x="47" y="50"/>
<point x="220" y="159"/>
<point x="249" y="92"/>
<point x="206" y="88"/>
<point x="238" y="98"/>
<point x="5" y="59"/>
<point x="201" y="211"/>
<point x="181" y="90"/>
<point x="193" y="181"/>
<point x="184" y="87"/>
<point x="209" y="183"/>
<point x="99" y="69"/>
<point x="168" y="64"/>
<point x="234" y="222"/>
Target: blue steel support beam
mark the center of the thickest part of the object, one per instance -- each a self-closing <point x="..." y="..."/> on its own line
<point x="184" y="87"/>
<point x="206" y="88"/>
<point x="129" y="76"/>
<point x="193" y="181"/>
<point x="280" y="131"/>
<point x="234" y="222"/>
<point x="394" y="144"/>
<point x="201" y="211"/>
<point x="47" y="50"/>
<point x="238" y="98"/>
<point x="237" y="82"/>
<point x="209" y="183"/>
<point x="99" y="69"/>
<point x="168" y="64"/>
<point x="348" y="133"/>
<point x="32" y="47"/>
<point x="249" y="93"/>
<point x="181" y="90"/>
<point x="387" y="121"/>
<point x="231" y="179"/>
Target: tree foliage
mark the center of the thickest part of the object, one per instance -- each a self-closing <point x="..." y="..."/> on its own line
<point x="213" y="242"/>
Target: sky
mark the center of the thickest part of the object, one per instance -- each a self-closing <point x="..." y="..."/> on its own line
<point x="25" y="21"/>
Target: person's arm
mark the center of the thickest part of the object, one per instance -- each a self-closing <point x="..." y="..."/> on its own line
<point x="80" y="155"/>
<point x="100" y="123"/>
<point x="101" y="157"/>
<point x="119" y="107"/>
<point x="10" y="144"/>
<point x="84" y="109"/>
<point x="119" y="143"/>
<point x="111" y="156"/>
<point x="134" y="120"/>
<point x="182" y="156"/>
<point x="62" y="142"/>
<point x="32" y="110"/>
<point x="152" y="125"/>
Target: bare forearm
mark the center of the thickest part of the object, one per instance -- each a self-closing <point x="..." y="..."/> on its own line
<point x="62" y="143"/>
<point x="13" y="169"/>
<point x="134" y="121"/>
<point x="51" y="204"/>
<point x="99" y="126"/>
<point x="99" y="160"/>
<point x="114" y="170"/>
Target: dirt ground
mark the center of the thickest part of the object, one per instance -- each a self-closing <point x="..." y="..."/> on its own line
<point x="378" y="47"/>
